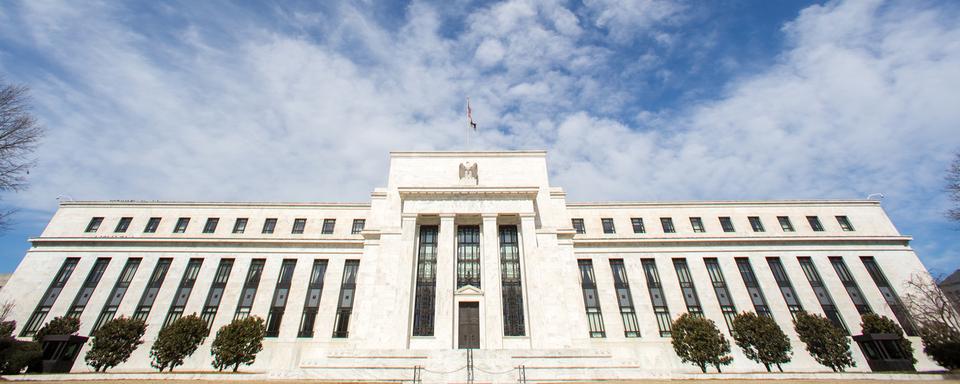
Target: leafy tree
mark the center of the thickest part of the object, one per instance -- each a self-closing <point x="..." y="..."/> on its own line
<point x="953" y="187"/>
<point x="874" y="323"/>
<point x="177" y="341"/>
<point x="761" y="339"/>
<point x="697" y="340"/>
<point x="19" y="133"/>
<point x="114" y="342"/>
<point x="942" y="343"/>
<point x="16" y="355"/>
<point x="938" y="321"/>
<point x="827" y="343"/>
<point x="58" y="326"/>
<point x="238" y="343"/>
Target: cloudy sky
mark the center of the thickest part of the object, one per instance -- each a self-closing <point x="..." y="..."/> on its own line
<point x="651" y="100"/>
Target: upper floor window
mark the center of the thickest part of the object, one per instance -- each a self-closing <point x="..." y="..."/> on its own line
<point x="785" y="223"/>
<point x="211" y="225"/>
<point x="123" y="224"/>
<point x="578" y="225"/>
<point x="697" y="224"/>
<point x="94" y="224"/>
<point x="181" y="226"/>
<point x="844" y="223"/>
<point x="667" y="224"/>
<point x="756" y="224"/>
<point x="815" y="223"/>
<point x="608" y="226"/>
<point x="240" y="225"/>
<point x="328" y="225"/>
<point x="269" y="225"/>
<point x="638" y="225"/>
<point x="726" y="224"/>
<point x="299" y="225"/>
<point x="357" y="226"/>
<point x="152" y="225"/>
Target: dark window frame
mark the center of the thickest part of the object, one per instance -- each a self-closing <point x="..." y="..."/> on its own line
<point x="578" y="225"/>
<point x="281" y="294"/>
<point x="721" y="291"/>
<point x="756" y="224"/>
<point x="657" y="297"/>
<point x="637" y="224"/>
<point x="50" y="296"/>
<point x="845" y="223"/>
<point x="591" y="300"/>
<point x="628" y="312"/>
<point x="697" y="224"/>
<point x="667" y="224"/>
<point x="357" y="227"/>
<point x="152" y="225"/>
<point x="181" y="225"/>
<point x="299" y="226"/>
<point x="152" y="290"/>
<point x="329" y="225"/>
<point x="424" y="306"/>
<point x="815" y="223"/>
<point x="311" y="303"/>
<point x="123" y="225"/>
<point x="211" y="305"/>
<point x="348" y="289"/>
<point x="269" y="226"/>
<point x="827" y="304"/>
<point x="119" y="290"/>
<point x="184" y="290"/>
<point x="785" y="224"/>
<point x="608" y="226"/>
<point x="88" y="288"/>
<point x="240" y="225"/>
<point x="752" y="283"/>
<point x="94" y="225"/>
<point x="511" y="281"/>
<point x="251" y="284"/>
<point x="211" y="225"/>
<point x="726" y="223"/>
<point x="786" y="286"/>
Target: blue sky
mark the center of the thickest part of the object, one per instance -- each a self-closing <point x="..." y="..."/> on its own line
<point x="652" y="100"/>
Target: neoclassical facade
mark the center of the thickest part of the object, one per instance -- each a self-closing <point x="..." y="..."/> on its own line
<point x="465" y="250"/>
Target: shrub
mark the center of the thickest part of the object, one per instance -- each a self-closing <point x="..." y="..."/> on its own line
<point x="827" y="343"/>
<point x="16" y="355"/>
<point x="238" y="343"/>
<point x="761" y="340"/>
<point x="177" y="341"/>
<point x="942" y="343"/>
<point x="114" y="342"/>
<point x="874" y="323"/>
<point x="697" y="340"/>
<point x="58" y="326"/>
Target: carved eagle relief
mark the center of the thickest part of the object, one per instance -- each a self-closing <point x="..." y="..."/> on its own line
<point x="468" y="173"/>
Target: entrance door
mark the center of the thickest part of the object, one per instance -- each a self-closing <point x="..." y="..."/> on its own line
<point x="469" y="325"/>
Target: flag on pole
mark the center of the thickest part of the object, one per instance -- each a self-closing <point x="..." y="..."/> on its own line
<point x="470" y="115"/>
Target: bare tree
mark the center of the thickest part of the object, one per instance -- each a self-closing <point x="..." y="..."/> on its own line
<point x="953" y="188"/>
<point x="929" y="304"/>
<point x="19" y="133"/>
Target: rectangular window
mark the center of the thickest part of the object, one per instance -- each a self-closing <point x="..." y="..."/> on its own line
<point x="357" y="226"/>
<point x="608" y="226"/>
<point x="785" y="223"/>
<point x="215" y="295"/>
<point x="49" y="297"/>
<point x="590" y="300"/>
<point x="726" y="224"/>
<point x="94" y="224"/>
<point x="312" y="302"/>
<point x="183" y="291"/>
<point x="116" y="295"/>
<point x="845" y="223"/>
<point x="328" y="225"/>
<point x="786" y="287"/>
<point x="667" y="224"/>
<point x="123" y="224"/>
<point x="631" y="328"/>
<point x="753" y="286"/>
<point x="889" y="295"/>
<point x="300" y="224"/>
<point x="348" y="288"/>
<point x="578" y="225"/>
<point x="687" y="287"/>
<point x="637" y="223"/>
<point x="425" y="295"/>
<point x="89" y="285"/>
<point x="279" y="303"/>
<point x="512" y="294"/>
<point x="152" y="289"/>
<point x="152" y="225"/>
<point x="240" y="225"/>
<point x="181" y="226"/>
<point x="249" y="291"/>
<point x="720" y="288"/>
<point x="850" y="285"/>
<point x="659" y="302"/>
<point x="823" y="296"/>
<point x="269" y="225"/>
<point x="468" y="256"/>
<point x="211" y="225"/>
<point x="815" y="223"/>
<point x="756" y="224"/>
<point x="697" y="224"/>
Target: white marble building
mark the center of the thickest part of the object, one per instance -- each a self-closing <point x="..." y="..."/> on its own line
<point x="465" y="249"/>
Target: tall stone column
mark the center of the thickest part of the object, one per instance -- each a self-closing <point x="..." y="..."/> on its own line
<point x="446" y="282"/>
<point x="529" y="261"/>
<point x="490" y="264"/>
<point x="405" y="272"/>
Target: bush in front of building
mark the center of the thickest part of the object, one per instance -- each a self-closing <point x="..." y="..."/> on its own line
<point x="58" y="326"/>
<point x="827" y="343"/>
<point x="238" y="343"/>
<point x="942" y="343"/>
<point x="16" y="355"/>
<point x="873" y="323"/>
<point x="114" y="342"/>
<point x="177" y="341"/>
<point x="697" y="340"/>
<point x="761" y="339"/>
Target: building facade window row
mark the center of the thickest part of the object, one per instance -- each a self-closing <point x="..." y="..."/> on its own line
<point x="726" y="224"/>
<point x="210" y="225"/>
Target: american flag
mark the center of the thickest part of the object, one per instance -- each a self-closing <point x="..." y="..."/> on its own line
<point x="470" y="116"/>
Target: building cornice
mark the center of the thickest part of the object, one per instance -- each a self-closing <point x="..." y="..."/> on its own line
<point x="37" y="242"/>
<point x="406" y="192"/>
<point x="211" y="204"/>
<point x="744" y="241"/>
<point x="531" y="153"/>
<point x="657" y="204"/>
